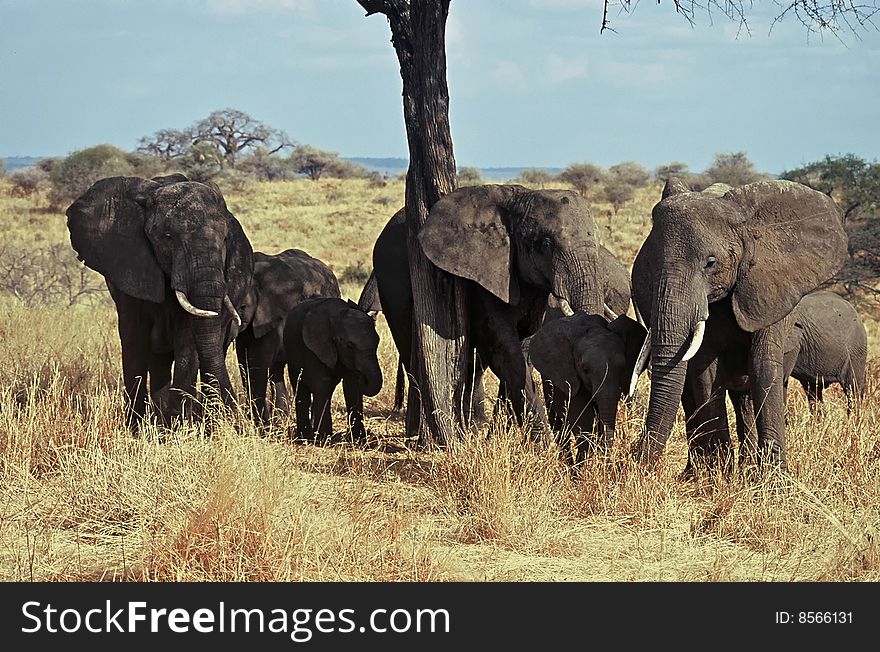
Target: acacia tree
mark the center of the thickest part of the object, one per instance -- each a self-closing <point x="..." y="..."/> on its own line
<point x="231" y="131"/>
<point x="418" y="27"/>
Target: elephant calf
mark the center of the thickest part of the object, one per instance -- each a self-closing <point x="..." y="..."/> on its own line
<point x="328" y="340"/>
<point x="281" y="281"/>
<point x="828" y="344"/>
<point x="586" y="363"/>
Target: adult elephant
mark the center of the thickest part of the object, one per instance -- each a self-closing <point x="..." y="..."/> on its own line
<point x="281" y="281"/>
<point x="178" y="266"/>
<point x="516" y="247"/>
<point x="716" y="280"/>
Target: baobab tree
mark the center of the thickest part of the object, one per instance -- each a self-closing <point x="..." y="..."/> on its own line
<point x="441" y="360"/>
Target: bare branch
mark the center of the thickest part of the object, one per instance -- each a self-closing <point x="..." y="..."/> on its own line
<point x="817" y="16"/>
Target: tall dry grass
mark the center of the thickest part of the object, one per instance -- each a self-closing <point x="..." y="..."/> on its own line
<point x="81" y="499"/>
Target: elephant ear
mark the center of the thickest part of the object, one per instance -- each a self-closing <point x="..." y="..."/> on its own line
<point x="552" y="354"/>
<point x="467" y="234"/>
<point x="239" y="269"/>
<point x="793" y="241"/>
<point x="633" y="335"/>
<point x="369" y="300"/>
<point x="106" y="225"/>
<point x="317" y="335"/>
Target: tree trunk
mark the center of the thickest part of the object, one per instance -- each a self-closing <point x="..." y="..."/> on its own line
<point x="439" y="353"/>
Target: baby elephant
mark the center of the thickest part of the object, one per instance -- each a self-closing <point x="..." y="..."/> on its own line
<point x="327" y="340"/>
<point x="827" y="345"/>
<point x="586" y="363"/>
<point x="280" y="282"/>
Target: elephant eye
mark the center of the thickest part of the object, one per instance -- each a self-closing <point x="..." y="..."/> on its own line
<point x="167" y="234"/>
<point x="545" y="243"/>
<point x="710" y="262"/>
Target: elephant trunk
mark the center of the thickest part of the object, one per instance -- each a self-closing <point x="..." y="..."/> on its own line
<point x="606" y="403"/>
<point x="202" y="283"/>
<point x="371" y="376"/>
<point x="577" y="283"/>
<point x="677" y="326"/>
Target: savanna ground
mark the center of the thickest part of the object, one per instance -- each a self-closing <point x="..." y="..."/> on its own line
<point x="81" y="499"/>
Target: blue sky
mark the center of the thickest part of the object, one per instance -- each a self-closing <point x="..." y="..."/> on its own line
<point x="532" y="82"/>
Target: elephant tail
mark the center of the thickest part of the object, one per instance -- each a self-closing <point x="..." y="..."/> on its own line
<point x="399" y="385"/>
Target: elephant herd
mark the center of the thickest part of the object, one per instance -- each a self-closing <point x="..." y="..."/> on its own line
<point x="725" y="290"/>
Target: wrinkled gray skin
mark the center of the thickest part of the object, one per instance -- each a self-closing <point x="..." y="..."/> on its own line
<point x="827" y="345"/>
<point x="280" y="282"/>
<point x="586" y="364"/>
<point x="328" y="340"/>
<point x="516" y="247"/>
<point x="154" y="241"/>
<point x="732" y="264"/>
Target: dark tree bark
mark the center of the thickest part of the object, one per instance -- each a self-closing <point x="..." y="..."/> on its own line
<point x="440" y="348"/>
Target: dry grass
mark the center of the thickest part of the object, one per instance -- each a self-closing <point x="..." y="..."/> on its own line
<point x="81" y="499"/>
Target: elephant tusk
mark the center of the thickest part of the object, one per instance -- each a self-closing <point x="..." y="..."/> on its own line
<point x="641" y="363"/>
<point x="190" y="308"/>
<point x="565" y="307"/>
<point x="696" y="341"/>
<point x="638" y="315"/>
<point x="609" y="313"/>
<point x="231" y="308"/>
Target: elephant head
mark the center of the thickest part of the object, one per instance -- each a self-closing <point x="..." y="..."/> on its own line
<point x="341" y="334"/>
<point x="151" y="238"/>
<point x="586" y="352"/>
<point x="506" y="236"/>
<point x="761" y="247"/>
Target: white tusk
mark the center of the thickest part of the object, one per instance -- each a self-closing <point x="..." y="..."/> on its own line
<point x="190" y="308"/>
<point x="638" y="315"/>
<point x="609" y="313"/>
<point x="696" y="341"/>
<point x="565" y="307"/>
<point x="231" y="308"/>
<point x="641" y="363"/>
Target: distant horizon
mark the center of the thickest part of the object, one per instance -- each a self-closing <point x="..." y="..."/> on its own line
<point x="460" y="165"/>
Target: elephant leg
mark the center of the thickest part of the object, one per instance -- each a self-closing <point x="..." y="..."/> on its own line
<point x="585" y="423"/>
<point x="706" y="425"/>
<point x="557" y="401"/>
<point x="302" y="404"/>
<point x="766" y="377"/>
<point x="257" y="355"/>
<point x="280" y="398"/>
<point x="322" y="419"/>
<point x="745" y="428"/>
<point x="354" y="409"/>
<point x="508" y="363"/>
<point x="134" y="336"/>
<point x="160" y="376"/>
